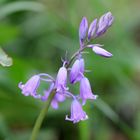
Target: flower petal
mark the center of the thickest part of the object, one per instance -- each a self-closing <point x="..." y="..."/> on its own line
<point x="77" y="113"/>
<point x="92" y="29"/>
<point x="83" y="29"/>
<point x="102" y="52"/>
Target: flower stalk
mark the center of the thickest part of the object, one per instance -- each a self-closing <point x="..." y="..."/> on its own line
<point x="41" y="116"/>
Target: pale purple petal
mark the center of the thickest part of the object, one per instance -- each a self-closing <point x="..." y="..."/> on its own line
<point x="85" y="90"/>
<point x="60" y="97"/>
<point x="54" y="104"/>
<point x="77" y="71"/>
<point x="92" y="29"/>
<point x="83" y="29"/>
<point x="61" y="80"/>
<point x="57" y="98"/>
<point x="110" y="18"/>
<point x="104" y="23"/>
<point x="30" y="87"/>
<point x="77" y="113"/>
<point x="102" y="52"/>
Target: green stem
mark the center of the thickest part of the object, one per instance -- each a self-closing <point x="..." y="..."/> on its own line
<point x="41" y="116"/>
<point x="74" y="55"/>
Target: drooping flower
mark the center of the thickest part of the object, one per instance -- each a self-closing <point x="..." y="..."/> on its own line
<point x="55" y="101"/>
<point x="57" y="98"/>
<point x="61" y="80"/>
<point x="83" y="30"/>
<point x="100" y="51"/>
<point x="77" y="71"/>
<point x="92" y="29"/>
<point x="85" y="90"/>
<point x="30" y="87"/>
<point x="104" y="23"/>
<point x="77" y="113"/>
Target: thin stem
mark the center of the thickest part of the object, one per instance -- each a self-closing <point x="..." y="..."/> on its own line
<point x="41" y="116"/>
<point x="70" y="94"/>
<point x="47" y="80"/>
<point x="45" y="74"/>
<point x="74" y="55"/>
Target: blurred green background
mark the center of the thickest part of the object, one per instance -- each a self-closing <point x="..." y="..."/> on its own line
<point x="36" y="34"/>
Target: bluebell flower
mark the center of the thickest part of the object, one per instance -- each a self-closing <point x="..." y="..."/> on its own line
<point x="85" y="90"/>
<point x="77" y="113"/>
<point x="30" y="87"/>
<point x="104" y="23"/>
<point x="55" y="101"/>
<point x="57" y="98"/>
<point x="61" y="80"/>
<point x="77" y="71"/>
<point x="83" y="28"/>
<point x="92" y="29"/>
<point x="100" y="51"/>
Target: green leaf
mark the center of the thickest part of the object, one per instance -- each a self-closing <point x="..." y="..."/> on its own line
<point x="4" y="59"/>
<point x="13" y="7"/>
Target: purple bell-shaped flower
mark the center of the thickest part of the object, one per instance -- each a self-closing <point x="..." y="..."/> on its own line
<point x="85" y="90"/>
<point x="77" y="113"/>
<point x="92" y="29"/>
<point x="105" y="22"/>
<point x="57" y="98"/>
<point x="61" y="80"/>
<point x="83" y="28"/>
<point x="30" y="87"/>
<point x="77" y="70"/>
<point x="100" y="51"/>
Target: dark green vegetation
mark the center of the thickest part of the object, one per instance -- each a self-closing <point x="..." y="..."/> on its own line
<point x="37" y="35"/>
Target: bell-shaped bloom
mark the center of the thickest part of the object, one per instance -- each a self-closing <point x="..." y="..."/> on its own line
<point x="61" y="80"/>
<point x="83" y="30"/>
<point x="77" y="113"/>
<point x="77" y="71"/>
<point x="92" y="29"/>
<point x="100" y="51"/>
<point x="55" y="101"/>
<point x="110" y="18"/>
<point x="85" y="90"/>
<point x="30" y="87"/>
<point x="104" y="23"/>
<point x="57" y="98"/>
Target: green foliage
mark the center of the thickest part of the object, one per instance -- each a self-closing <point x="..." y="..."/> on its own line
<point x="36" y="34"/>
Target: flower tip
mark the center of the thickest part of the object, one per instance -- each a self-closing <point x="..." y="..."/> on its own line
<point x="92" y="29"/>
<point x="84" y="18"/>
<point x="83" y="29"/>
<point x="20" y="85"/>
<point x="102" y="52"/>
<point x="108" y="55"/>
<point x="95" y="97"/>
<point x="83" y="102"/>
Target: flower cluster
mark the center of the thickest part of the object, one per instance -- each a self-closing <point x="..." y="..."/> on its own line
<point x="73" y="74"/>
